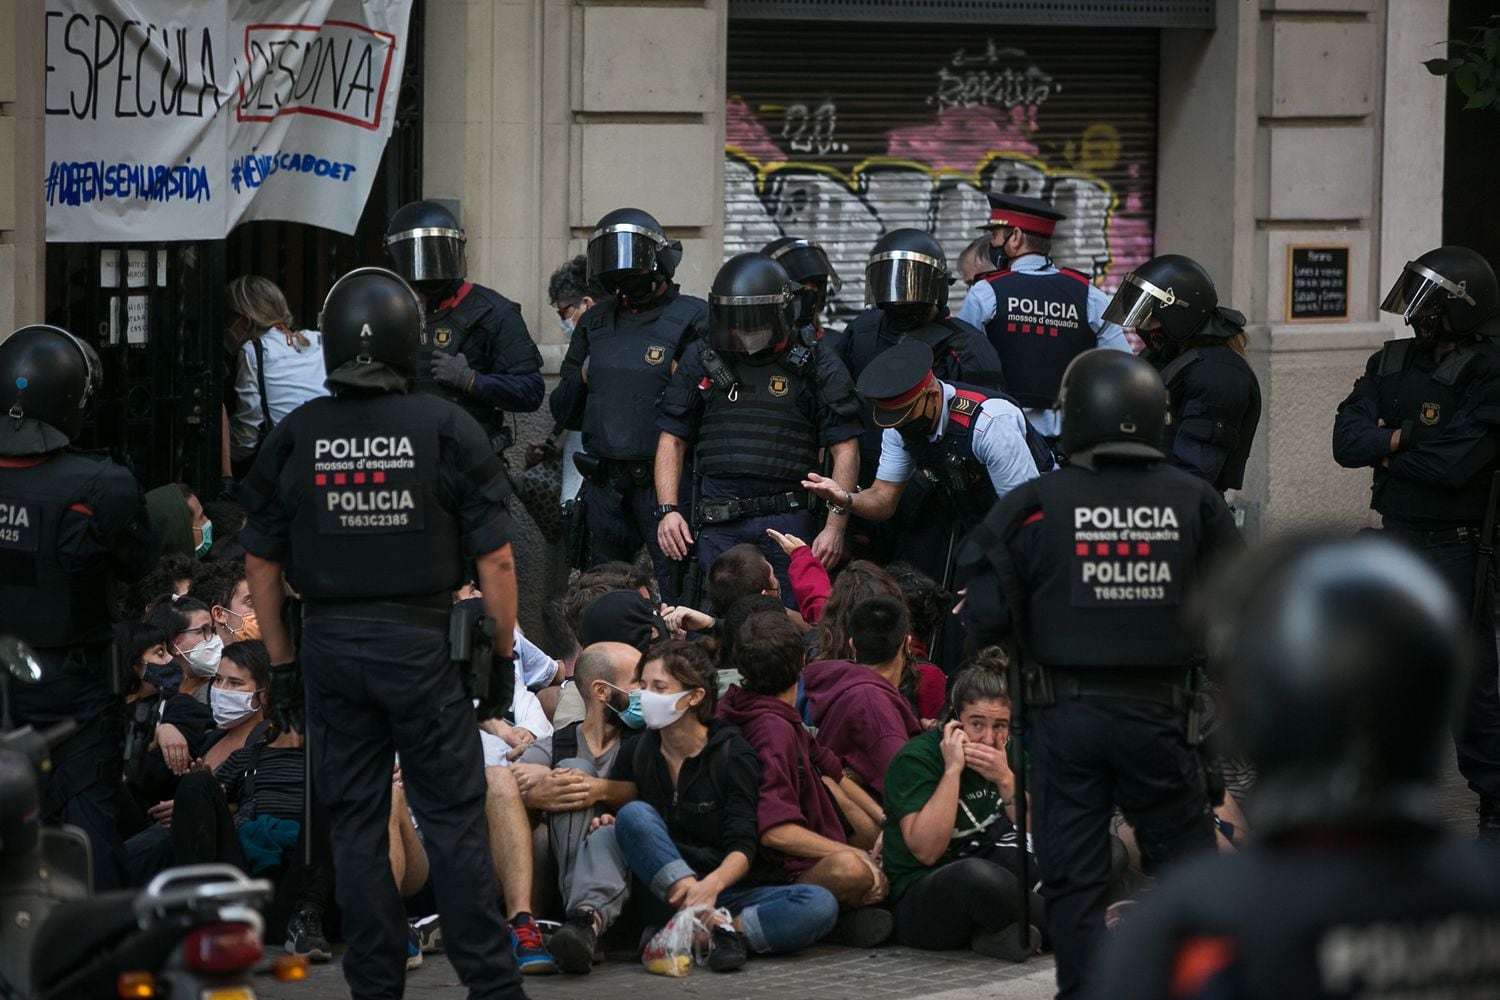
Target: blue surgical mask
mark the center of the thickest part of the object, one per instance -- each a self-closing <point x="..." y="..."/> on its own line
<point x="631" y="718"/>
<point x="165" y="677"/>
<point x="208" y="540"/>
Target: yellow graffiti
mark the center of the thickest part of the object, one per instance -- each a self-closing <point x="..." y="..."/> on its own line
<point x="1097" y="149"/>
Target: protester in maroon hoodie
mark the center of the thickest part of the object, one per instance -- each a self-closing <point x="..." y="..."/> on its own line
<point x="802" y="829"/>
<point x="855" y="705"/>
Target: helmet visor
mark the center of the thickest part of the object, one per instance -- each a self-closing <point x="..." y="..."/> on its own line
<point x="1419" y="289"/>
<point x="748" y="324"/>
<point x="622" y="248"/>
<point x="904" y="276"/>
<point x="427" y="254"/>
<point x="1136" y="301"/>
<point x="805" y="259"/>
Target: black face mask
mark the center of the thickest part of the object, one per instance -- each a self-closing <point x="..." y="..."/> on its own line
<point x="914" y="434"/>
<point x="1428" y="327"/>
<point x="908" y="315"/>
<point x="637" y="289"/>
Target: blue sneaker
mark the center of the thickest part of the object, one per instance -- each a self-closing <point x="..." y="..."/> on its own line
<point x="532" y="956"/>
<point x="413" y="949"/>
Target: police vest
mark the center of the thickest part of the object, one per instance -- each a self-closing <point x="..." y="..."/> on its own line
<point x="1216" y="401"/>
<point x="629" y="367"/>
<point x="1121" y="544"/>
<point x="1422" y="401"/>
<point x="373" y="519"/>
<point x="768" y="429"/>
<point x="951" y="460"/>
<point x="41" y="602"/>
<point x="1041" y="324"/>
<point x="460" y="325"/>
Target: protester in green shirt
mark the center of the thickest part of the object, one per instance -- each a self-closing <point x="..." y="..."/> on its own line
<point x="950" y="839"/>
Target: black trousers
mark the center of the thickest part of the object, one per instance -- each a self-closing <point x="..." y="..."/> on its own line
<point x="946" y="907"/>
<point x="373" y="690"/>
<point x="1088" y="757"/>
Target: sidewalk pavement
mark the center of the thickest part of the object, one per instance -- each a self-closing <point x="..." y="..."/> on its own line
<point x="824" y="973"/>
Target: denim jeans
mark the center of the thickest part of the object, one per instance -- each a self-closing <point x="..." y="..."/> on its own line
<point x="776" y="918"/>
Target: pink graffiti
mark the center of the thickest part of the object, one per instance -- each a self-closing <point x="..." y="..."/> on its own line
<point x="1130" y="245"/>
<point x="743" y="130"/>
<point x="960" y="138"/>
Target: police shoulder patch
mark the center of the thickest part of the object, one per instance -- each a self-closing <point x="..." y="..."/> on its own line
<point x="963" y="404"/>
<point x="656" y="354"/>
<point x="1430" y="413"/>
<point x="779" y="385"/>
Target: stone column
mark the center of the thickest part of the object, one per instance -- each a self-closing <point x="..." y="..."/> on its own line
<point x="23" y="217"/>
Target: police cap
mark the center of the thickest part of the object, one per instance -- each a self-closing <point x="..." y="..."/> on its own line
<point x="1030" y="215"/>
<point x="896" y="375"/>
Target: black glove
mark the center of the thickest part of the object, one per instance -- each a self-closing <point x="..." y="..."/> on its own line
<point x="286" y="695"/>
<point x="452" y="370"/>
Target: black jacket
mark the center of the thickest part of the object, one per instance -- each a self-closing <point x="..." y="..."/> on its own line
<point x="711" y="811"/>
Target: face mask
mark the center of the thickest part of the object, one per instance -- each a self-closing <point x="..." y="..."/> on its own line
<point x="908" y="316"/>
<point x="566" y="325"/>
<point x="208" y="540"/>
<point x="230" y="707"/>
<point x="249" y="625"/>
<point x="203" y="659"/>
<point x="165" y="677"/>
<point x="659" y="710"/>
<point x="637" y="289"/>
<point x="631" y="717"/>
<point x="1427" y="327"/>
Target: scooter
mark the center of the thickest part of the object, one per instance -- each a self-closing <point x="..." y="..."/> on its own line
<point x="193" y="932"/>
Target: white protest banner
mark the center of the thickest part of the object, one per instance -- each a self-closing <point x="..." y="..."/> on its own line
<point x="176" y="121"/>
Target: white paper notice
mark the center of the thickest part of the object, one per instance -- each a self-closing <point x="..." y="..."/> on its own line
<point x="135" y="269"/>
<point x="109" y="269"/>
<point x="135" y="320"/>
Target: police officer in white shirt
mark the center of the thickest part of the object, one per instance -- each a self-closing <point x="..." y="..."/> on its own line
<point x="1038" y="317"/>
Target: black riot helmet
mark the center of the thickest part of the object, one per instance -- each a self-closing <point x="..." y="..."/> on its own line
<point x="1344" y="661"/>
<point x="425" y="244"/>
<point x="808" y="265"/>
<point x="907" y="266"/>
<point x="1451" y="282"/>
<point x="752" y="306"/>
<point x="47" y="376"/>
<point x="630" y="240"/>
<point x="1113" y="404"/>
<point x="1174" y="290"/>
<point x="371" y="325"/>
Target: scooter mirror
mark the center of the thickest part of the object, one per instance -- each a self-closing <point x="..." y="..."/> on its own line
<point x="19" y="661"/>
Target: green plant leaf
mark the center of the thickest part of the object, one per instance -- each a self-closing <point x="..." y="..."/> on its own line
<point x="1475" y="102"/>
<point x="1467" y="79"/>
<point x="1442" y="67"/>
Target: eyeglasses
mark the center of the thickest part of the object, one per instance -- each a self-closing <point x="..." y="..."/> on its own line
<point x="204" y="632"/>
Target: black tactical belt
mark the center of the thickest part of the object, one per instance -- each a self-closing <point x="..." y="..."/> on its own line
<point x="391" y="612"/>
<point x="1462" y="535"/>
<point x="1086" y="688"/>
<point x="622" y="472"/>
<point x="725" y="511"/>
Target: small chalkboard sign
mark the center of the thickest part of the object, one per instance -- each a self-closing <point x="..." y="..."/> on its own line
<point x="1317" y="284"/>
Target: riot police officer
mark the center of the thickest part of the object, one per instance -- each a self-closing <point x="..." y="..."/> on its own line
<point x="1038" y="317"/>
<point x="806" y="263"/>
<point x="1424" y="416"/>
<point x="622" y="355"/>
<point x="1199" y="348"/>
<point x="1088" y="570"/>
<point x="757" y="400"/>
<point x="71" y="524"/>
<point x="374" y="501"/>
<point x="475" y="347"/>
<point x="964" y="444"/>
<point x="1351" y="888"/>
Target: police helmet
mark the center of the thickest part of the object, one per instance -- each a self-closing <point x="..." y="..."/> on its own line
<point x="1173" y="289"/>
<point x="907" y="266"/>
<point x="803" y="260"/>
<point x="1344" y="662"/>
<point x="47" y="376"/>
<point x="425" y="243"/>
<point x="1454" y="281"/>
<point x="371" y="322"/>
<point x="752" y="305"/>
<point x="1113" y="403"/>
<point x="629" y="239"/>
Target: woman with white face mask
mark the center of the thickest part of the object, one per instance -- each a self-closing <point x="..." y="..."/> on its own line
<point x="692" y="831"/>
<point x="197" y="647"/>
<point x="236" y="697"/>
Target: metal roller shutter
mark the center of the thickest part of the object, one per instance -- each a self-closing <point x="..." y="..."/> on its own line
<point x="841" y="131"/>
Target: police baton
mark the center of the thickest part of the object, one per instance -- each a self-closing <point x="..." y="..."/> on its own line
<point x="1486" y="553"/>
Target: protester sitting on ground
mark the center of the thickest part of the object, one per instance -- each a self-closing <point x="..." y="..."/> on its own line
<point x="739" y="573"/>
<point x="175" y="511"/>
<point x="950" y="840"/>
<point x="859" y="582"/>
<point x="690" y="836"/>
<point x="228" y="519"/>
<point x="855" y="703"/>
<point x="509" y="837"/>
<point x="151" y="677"/>
<point x="566" y="776"/>
<point x="728" y="632"/>
<point x="929" y="606"/>
<point x="222" y="586"/>
<point x="194" y="642"/>
<point x="615" y="616"/>
<point x="810" y="583"/>
<point x="172" y="576"/>
<point x="561" y="643"/>
<point x="802" y="827"/>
